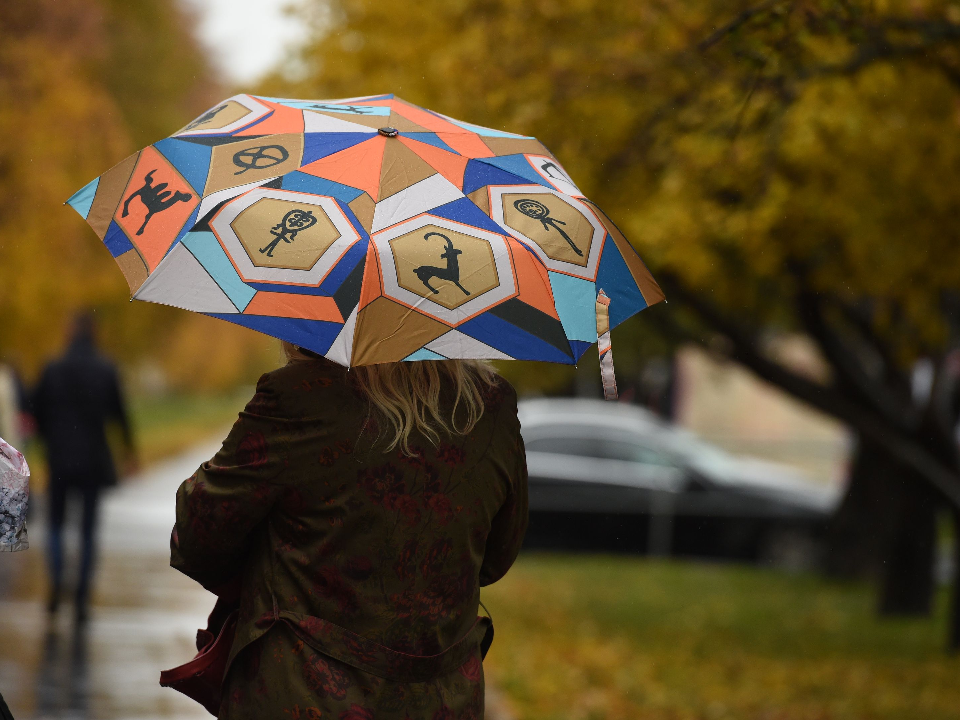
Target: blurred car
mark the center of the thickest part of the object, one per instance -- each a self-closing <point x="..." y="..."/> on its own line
<point x="614" y="477"/>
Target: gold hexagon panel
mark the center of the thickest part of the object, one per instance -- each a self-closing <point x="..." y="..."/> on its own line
<point x="284" y="234"/>
<point x="443" y="265"/>
<point x="561" y="231"/>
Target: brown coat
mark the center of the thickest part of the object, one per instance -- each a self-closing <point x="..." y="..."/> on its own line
<point x="359" y="568"/>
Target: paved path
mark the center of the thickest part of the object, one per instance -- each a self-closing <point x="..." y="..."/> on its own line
<point x="143" y="618"/>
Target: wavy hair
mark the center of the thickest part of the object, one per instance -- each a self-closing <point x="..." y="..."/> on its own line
<point x="406" y="396"/>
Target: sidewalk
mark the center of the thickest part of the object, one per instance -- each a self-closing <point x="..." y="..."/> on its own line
<point x="144" y="616"/>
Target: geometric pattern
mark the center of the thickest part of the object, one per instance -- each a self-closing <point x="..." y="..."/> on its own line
<point x="367" y="230"/>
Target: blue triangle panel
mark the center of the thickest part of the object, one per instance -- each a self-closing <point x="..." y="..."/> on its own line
<point x="191" y="159"/>
<point x="614" y="278"/>
<point x="82" y="199"/>
<point x="331" y="283"/>
<point x="466" y="212"/>
<point x="318" y="145"/>
<point x="315" y="335"/>
<point x="430" y="139"/>
<point x="480" y="174"/>
<point x="518" y="165"/>
<point x="306" y="183"/>
<point x="508" y="338"/>
<point x="116" y="240"/>
<point x="579" y="347"/>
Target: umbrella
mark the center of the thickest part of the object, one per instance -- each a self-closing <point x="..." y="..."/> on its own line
<point x="370" y="230"/>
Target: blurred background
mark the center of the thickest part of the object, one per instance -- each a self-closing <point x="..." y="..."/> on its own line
<point x="764" y="527"/>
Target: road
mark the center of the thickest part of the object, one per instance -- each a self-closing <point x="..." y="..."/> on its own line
<point x="144" y="616"/>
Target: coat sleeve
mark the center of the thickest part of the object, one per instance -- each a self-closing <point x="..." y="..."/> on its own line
<point x="510" y="523"/>
<point x="220" y="507"/>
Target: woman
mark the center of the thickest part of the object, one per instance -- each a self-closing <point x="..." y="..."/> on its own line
<point x="362" y="510"/>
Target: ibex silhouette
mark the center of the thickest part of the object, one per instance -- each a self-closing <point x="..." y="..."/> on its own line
<point x="451" y="272"/>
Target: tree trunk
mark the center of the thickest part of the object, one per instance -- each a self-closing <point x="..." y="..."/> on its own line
<point x="907" y="582"/>
<point x="886" y="528"/>
<point x="953" y="641"/>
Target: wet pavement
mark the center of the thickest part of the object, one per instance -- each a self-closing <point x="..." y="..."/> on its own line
<point x="144" y="615"/>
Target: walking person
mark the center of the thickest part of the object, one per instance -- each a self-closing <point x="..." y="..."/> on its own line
<point x="77" y="397"/>
<point x="358" y="513"/>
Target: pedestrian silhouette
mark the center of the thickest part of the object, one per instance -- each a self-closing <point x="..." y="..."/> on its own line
<point x="77" y="397"/>
<point x="155" y="198"/>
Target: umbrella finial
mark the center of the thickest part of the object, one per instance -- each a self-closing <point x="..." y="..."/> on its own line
<point x="388" y="131"/>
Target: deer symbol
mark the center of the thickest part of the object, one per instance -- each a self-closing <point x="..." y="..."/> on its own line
<point x="451" y="272"/>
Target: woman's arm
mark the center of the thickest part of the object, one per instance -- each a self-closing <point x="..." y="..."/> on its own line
<point x="510" y="523"/>
<point x="221" y="505"/>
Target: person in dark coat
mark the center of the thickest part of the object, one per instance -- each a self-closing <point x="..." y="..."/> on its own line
<point x="77" y="397"/>
<point x="360" y="512"/>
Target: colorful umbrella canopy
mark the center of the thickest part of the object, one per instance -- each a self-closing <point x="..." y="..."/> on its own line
<point x="369" y="230"/>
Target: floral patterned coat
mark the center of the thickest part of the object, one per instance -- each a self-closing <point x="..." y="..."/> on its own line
<point x="361" y="570"/>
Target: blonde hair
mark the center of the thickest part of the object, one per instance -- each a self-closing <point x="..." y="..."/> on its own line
<point x="406" y="395"/>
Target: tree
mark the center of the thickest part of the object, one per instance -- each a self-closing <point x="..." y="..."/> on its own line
<point x="786" y="167"/>
<point x="83" y="84"/>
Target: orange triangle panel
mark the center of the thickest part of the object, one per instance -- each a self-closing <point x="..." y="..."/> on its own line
<point x="449" y="165"/>
<point x="357" y="166"/>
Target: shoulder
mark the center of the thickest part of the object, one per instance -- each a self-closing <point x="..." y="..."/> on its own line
<point x="500" y="397"/>
<point x="299" y="389"/>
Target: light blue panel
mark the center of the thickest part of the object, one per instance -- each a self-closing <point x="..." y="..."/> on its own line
<point x="83" y="198"/>
<point x="206" y="249"/>
<point x="354" y="109"/>
<point x="576" y="303"/>
<point x="487" y="132"/>
<point x="424" y="354"/>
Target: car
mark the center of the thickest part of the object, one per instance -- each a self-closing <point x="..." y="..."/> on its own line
<point x="614" y="477"/>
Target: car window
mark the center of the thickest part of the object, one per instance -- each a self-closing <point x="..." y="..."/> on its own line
<point x="602" y="448"/>
<point x="580" y="446"/>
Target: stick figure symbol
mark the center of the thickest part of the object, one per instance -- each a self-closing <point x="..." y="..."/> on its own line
<point x="206" y="117"/>
<point x="352" y="109"/>
<point x="539" y="211"/>
<point x="259" y="158"/>
<point x="292" y="223"/>
<point x="155" y="198"/>
<point x="451" y="272"/>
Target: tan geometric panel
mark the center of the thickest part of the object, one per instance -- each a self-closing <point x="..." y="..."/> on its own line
<point x="109" y="191"/>
<point x="446" y="266"/>
<point x="389" y="332"/>
<point x="219" y="117"/>
<point x="133" y="268"/>
<point x="284" y="234"/>
<point x="401" y="168"/>
<point x="513" y="146"/>
<point x="258" y="158"/>
<point x="481" y="198"/>
<point x="363" y="207"/>
<point x="562" y="231"/>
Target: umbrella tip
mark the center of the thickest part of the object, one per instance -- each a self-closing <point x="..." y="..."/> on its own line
<point x="388" y="131"/>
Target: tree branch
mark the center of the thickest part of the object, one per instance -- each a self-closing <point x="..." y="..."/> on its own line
<point x="745" y="350"/>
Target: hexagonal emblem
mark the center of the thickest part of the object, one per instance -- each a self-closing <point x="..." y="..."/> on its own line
<point x="563" y="231"/>
<point x="233" y="114"/>
<point x="279" y="236"/>
<point x="444" y="269"/>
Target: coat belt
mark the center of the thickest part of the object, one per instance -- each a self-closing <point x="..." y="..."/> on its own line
<point x="364" y="654"/>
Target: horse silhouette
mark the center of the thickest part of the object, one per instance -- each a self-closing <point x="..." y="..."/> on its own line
<point x="155" y="198"/>
<point x="451" y="272"/>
